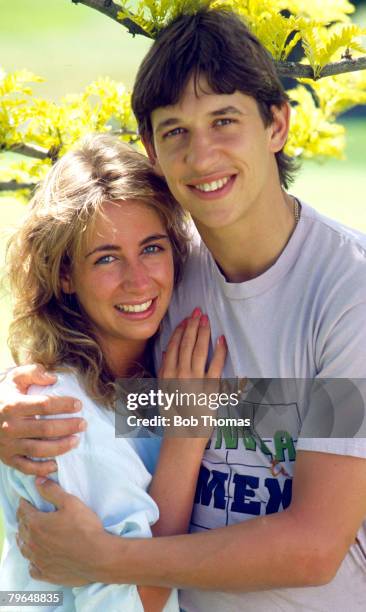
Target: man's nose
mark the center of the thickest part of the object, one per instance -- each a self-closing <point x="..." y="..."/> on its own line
<point x="202" y="153"/>
<point x="136" y="278"/>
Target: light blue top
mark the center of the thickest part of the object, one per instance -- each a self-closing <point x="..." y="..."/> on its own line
<point x="110" y="475"/>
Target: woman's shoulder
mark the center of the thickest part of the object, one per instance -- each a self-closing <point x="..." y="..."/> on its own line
<point x="100" y="435"/>
<point x="67" y="383"/>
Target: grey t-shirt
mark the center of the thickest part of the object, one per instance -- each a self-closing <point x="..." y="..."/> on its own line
<point x="304" y="318"/>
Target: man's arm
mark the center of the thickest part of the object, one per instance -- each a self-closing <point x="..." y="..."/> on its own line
<point x="22" y="435"/>
<point x="301" y="546"/>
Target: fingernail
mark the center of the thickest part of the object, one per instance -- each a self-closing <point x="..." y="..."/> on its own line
<point x="40" y="480"/>
<point x="204" y="321"/>
<point x="183" y="323"/>
<point x="221" y="340"/>
<point x="77" y="405"/>
<point x="49" y="376"/>
<point x="74" y="441"/>
<point x="196" y="313"/>
<point x="82" y="426"/>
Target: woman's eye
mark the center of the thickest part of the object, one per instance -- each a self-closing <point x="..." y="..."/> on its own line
<point x="174" y="132"/>
<point x="153" y="248"/>
<point x="106" y="259"/>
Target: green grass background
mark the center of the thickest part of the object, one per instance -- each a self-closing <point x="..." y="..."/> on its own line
<point x="71" y="45"/>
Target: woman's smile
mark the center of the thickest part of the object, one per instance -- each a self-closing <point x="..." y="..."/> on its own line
<point x="124" y="278"/>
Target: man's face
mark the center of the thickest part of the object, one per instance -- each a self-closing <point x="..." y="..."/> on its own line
<point x="216" y="154"/>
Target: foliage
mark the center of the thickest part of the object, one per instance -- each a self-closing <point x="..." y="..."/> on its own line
<point x="323" y="30"/>
<point x="103" y="106"/>
<point x="153" y="15"/>
<point x="279" y="24"/>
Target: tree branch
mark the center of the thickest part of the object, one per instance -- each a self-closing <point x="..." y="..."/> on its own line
<point x="33" y="151"/>
<point x="123" y="132"/>
<point x="14" y="186"/>
<point x="29" y="150"/>
<point x="296" y="70"/>
<point x="111" y="9"/>
<point x="284" y="69"/>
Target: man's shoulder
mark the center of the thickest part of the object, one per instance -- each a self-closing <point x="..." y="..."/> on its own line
<point x="335" y="232"/>
<point x="334" y="256"/>
<point x="332" y="269"/>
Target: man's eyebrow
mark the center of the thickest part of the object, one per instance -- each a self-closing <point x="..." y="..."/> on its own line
<point x="115" y="247"/>
<point x="167" y="123"/>
<point x="226" y="110"/>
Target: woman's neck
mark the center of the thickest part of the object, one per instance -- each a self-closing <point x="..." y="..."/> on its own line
<point x="125" y="358"/>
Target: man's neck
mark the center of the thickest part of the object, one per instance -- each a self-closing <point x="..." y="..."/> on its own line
<point x="252" y="245"/>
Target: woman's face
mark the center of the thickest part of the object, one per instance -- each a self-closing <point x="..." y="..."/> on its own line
<point x="124" y="278"/>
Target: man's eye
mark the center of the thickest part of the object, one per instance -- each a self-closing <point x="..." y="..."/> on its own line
<point x="174" y="132"/>
<point x="105" y="259"/>
<point x="224" y="121"/>
<point x="153" y="248"/>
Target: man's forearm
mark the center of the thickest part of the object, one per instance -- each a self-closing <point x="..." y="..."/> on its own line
<point x="303" y="545"/>
<point x="263" y="553"/>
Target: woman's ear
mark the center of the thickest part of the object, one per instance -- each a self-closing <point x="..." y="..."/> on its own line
<point x="67" y="285"/>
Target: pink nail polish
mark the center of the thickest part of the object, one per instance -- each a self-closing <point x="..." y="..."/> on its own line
<point x="204" y="321"/>
<point x="196" y="313"/>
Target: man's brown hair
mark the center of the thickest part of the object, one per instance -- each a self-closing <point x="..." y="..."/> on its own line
<point x="218" y="45"/>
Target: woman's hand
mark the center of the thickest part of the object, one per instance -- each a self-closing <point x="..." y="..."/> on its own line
<point x="186" y="373"/>
<point x="187" y="351"/>
<point x="185" y="369"/>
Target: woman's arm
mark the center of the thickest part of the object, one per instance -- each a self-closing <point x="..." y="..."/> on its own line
<point x="181" y="454"/>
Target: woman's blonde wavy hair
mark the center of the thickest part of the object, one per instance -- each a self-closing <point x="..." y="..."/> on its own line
<point x="48" y="325"/>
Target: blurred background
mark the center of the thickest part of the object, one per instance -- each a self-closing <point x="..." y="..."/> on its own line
<point x="71" y="45"/>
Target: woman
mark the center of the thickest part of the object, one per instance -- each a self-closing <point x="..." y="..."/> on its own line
<point x="92" y="271"/>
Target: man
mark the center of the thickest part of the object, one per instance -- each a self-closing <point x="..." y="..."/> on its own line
<point x="286" y="288"/>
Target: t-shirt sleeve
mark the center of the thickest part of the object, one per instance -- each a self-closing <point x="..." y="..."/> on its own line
<point x="335" y="421"/>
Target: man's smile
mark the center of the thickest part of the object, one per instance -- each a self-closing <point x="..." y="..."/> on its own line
<point x="214" y="188"/>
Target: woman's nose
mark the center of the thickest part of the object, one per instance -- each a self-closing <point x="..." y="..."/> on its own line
<point x="136" y="278"/>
